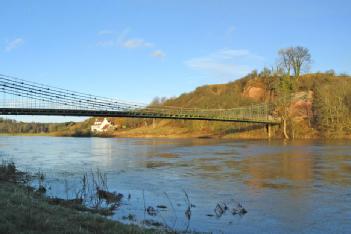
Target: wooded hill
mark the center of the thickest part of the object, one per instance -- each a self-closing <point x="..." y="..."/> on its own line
<point x="314" y="105"/>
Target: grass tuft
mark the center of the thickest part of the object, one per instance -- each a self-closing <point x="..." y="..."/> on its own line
<point x="22" y="211"/>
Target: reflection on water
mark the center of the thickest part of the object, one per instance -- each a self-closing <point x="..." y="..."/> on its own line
<point x="301" y="187"/>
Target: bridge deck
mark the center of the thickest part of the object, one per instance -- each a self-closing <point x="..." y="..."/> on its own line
<point x="132" y="114"/>
<point x="20" y="97"/>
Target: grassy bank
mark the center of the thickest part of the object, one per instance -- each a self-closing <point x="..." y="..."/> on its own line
<point x="23" y="210"/>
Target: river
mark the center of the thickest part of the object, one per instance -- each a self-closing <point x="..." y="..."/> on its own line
<point x="286" y="187"/>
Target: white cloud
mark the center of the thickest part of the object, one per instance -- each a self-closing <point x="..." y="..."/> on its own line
<point x="226" y="63"/>
<point x="106" y="43"/>
<point x="136" y="43"/>
<point x="230" y="29"/>
<point x="217" y="68"/>
<point x="112" y="39"/>
<point x="158" y="54"/>
<point x="121" y="39"/>
<point x="105" y="32"/>
<point x="230" y="54"/>
<point x="123" y="35"/>
<point x="14" y="44"/>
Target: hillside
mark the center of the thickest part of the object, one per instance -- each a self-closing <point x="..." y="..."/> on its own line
<point x="315" y="105"/>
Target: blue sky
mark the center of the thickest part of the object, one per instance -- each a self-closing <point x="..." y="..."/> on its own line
<point x="136" y="50"/>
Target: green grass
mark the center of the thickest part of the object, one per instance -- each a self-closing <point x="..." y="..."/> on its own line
<point x="22" y="210"/>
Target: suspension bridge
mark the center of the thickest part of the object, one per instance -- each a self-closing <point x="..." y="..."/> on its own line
<point x="21" y="97"/>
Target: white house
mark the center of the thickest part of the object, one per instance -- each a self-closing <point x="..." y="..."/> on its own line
<point x="101" y="126"/>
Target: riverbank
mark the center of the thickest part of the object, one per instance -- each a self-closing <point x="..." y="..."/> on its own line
<point x="23" y="210"/>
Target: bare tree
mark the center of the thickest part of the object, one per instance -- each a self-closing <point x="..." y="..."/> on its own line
<point x="158" y="101"/>
<point x="285" y="60"/>
<point x="301" y="59"/>
<point x="296" y="58"/>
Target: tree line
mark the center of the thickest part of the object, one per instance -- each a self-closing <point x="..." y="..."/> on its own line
<point x="9" y="126"/>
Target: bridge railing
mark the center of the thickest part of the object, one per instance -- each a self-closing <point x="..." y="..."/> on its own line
<point x="18" y="93"/>
<point x="251" y="112"/>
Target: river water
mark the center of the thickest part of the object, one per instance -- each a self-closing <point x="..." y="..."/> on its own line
<point x="291" y="187"/>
